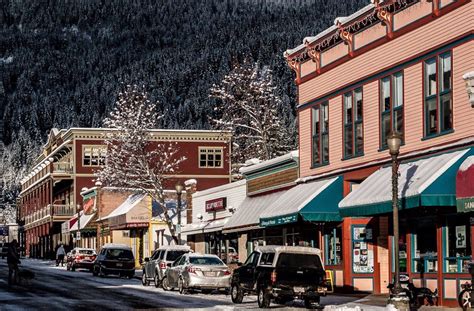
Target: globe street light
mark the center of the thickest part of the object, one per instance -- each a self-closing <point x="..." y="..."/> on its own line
<point x="394" y="140"/>
<point x="179" y="190"/>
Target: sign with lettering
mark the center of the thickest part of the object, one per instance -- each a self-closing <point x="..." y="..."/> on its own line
<point x="216" y="205"/>
<point x="280" y="220"/>
<point x="465" y="205"/>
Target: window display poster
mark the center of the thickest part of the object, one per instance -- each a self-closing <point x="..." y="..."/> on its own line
<point x="362" y="233"/>
<point x="460" y="236"/>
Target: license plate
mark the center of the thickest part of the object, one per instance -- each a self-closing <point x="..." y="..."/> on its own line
<point x="87" y="258"/>
<point x="209" y="273"/>
<point x="298" y="289"/>
<point x="119" y="265"/>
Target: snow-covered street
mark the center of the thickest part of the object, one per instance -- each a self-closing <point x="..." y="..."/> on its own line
<point x="54" y="288"/>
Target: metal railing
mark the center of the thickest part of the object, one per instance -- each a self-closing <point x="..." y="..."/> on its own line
<point x="63" y="167"/>
<point x="50" y="210"/>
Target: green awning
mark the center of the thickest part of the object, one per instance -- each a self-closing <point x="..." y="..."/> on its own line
<point x="312" y="201"/>
<point x="425" y="182"/>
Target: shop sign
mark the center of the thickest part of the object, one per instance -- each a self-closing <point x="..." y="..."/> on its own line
<point x="279" y="220"/>
<point x="89" y="201"/>
<point x="465" y="205"/>
<point x="216" y="205"/>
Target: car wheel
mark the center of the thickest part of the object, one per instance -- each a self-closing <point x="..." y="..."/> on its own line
<point x="311" y="303"/>
<point x="145" y="281"/>
<point x="157" y="280"/>
<point x="263" y="298"/>
<point x="101" y="272"/>
<point x="165" y="284"/>
<point x="131" y="275"/>
<point x="464" y="300"/>
<point x="236" y="293"/>
<point x="68" y="267"/>
<point x="73" y="268"/>
<point x="94" y="271"/>
<point x="182" y="290"/>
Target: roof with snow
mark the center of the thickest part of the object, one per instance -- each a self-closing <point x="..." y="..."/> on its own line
<point x="292" y="156"/>
<point x="126" y="206"/>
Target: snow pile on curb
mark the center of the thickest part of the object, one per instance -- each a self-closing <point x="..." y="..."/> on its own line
<point x="343" y="308"/>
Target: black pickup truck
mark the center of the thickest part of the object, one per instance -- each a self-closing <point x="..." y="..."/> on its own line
<point x="281" y="274"/>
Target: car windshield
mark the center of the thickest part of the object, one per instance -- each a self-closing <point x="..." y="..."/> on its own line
<point x="119" y="254"/>
<point x="206" y="261"/>
<point x="86" y="251"/>
<point x="299" y="260"/>
<point x="173" y="255"/>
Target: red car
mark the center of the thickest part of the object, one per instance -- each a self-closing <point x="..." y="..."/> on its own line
<point x="81" y="258"/>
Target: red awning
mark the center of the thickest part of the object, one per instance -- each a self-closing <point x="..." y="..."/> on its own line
<point x="465" y="186"/>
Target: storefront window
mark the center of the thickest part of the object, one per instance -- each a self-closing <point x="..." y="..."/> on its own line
<point x="362" y="250"/>
<point x="333" y="246"/>
<point x="402" y="253"/>
<point x="424" y="247"/>
<point x="457" y="245"/>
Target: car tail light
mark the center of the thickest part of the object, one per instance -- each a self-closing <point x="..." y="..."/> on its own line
<point x="162" y="265"/>
<point x="78" y="257"/>
<point x="273" y="277"/>
<point x="192" y="269"/>
<point x="227" y="272"/>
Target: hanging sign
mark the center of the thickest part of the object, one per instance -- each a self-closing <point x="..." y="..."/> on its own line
<point x="216" y="205"/>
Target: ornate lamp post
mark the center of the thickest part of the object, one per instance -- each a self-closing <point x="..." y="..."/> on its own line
<point x="398" y="299"/>
<point x="179" y="191"/>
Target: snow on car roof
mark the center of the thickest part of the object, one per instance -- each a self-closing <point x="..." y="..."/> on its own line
<point x="178" y="247"/>
<point x="113" y="245"/>
<point x="289" y="249"/>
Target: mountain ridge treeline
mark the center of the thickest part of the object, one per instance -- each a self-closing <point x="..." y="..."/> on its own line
<point x="62" y="62"/>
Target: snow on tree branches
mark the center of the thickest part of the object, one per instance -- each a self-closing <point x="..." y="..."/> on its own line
<point x="133" y="159"/>
<point x="249" y="107"/>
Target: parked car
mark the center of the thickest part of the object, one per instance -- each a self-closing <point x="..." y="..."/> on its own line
<point x="114" y="259"/>
<point x="154" y="267"/>
<point x="281" y="274"/>
<point x="196" y="271"/>
<point x="80" y="258"/>
<point x="4" y="250"/>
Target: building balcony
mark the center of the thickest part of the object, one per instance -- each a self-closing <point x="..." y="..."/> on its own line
<point x="62" y="168"/>
<point x="50" y="213"/>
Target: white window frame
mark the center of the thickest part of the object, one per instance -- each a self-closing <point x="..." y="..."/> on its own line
<point x="102" y="149"/>
<point x="215" y="150"/>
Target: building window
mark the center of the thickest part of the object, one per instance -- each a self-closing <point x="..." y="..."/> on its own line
<point x="438" y="95"/>
<point x="320" y="134"/>
<point x="333" y="246"/>
<point x="362" y="249"/>
<point x="93" y="155"/>
<point x="353" y="130"/>
<point x="457" y="245"/>
<point x="424" y="247"/>
<point x="391" y="106"/>
<point x="210" y="157"/>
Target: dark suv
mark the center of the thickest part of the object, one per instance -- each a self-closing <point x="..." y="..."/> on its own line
<point x="114" y="259"/>
<point x="281" y="273"/>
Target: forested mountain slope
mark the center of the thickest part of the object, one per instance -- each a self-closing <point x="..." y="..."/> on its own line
<point x="62" y="62"/>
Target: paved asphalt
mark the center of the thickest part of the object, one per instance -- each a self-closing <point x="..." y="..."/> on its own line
<point x="54" y="288"/>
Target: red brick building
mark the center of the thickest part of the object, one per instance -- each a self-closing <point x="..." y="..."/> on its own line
<point x="50" y="193"/>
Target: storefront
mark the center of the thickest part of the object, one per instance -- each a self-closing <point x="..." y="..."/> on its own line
<point x="130" y="221"/>
<point x="435" y="238"/>
<point x="212" y="209"/>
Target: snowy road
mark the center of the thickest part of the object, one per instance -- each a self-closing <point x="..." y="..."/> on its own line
<point x="54" y="288"/>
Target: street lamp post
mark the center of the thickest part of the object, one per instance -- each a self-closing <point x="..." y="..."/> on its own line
<point x="179" y="192"/>
<point x="398" y="299"/>
<point x="78" y="237"/>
